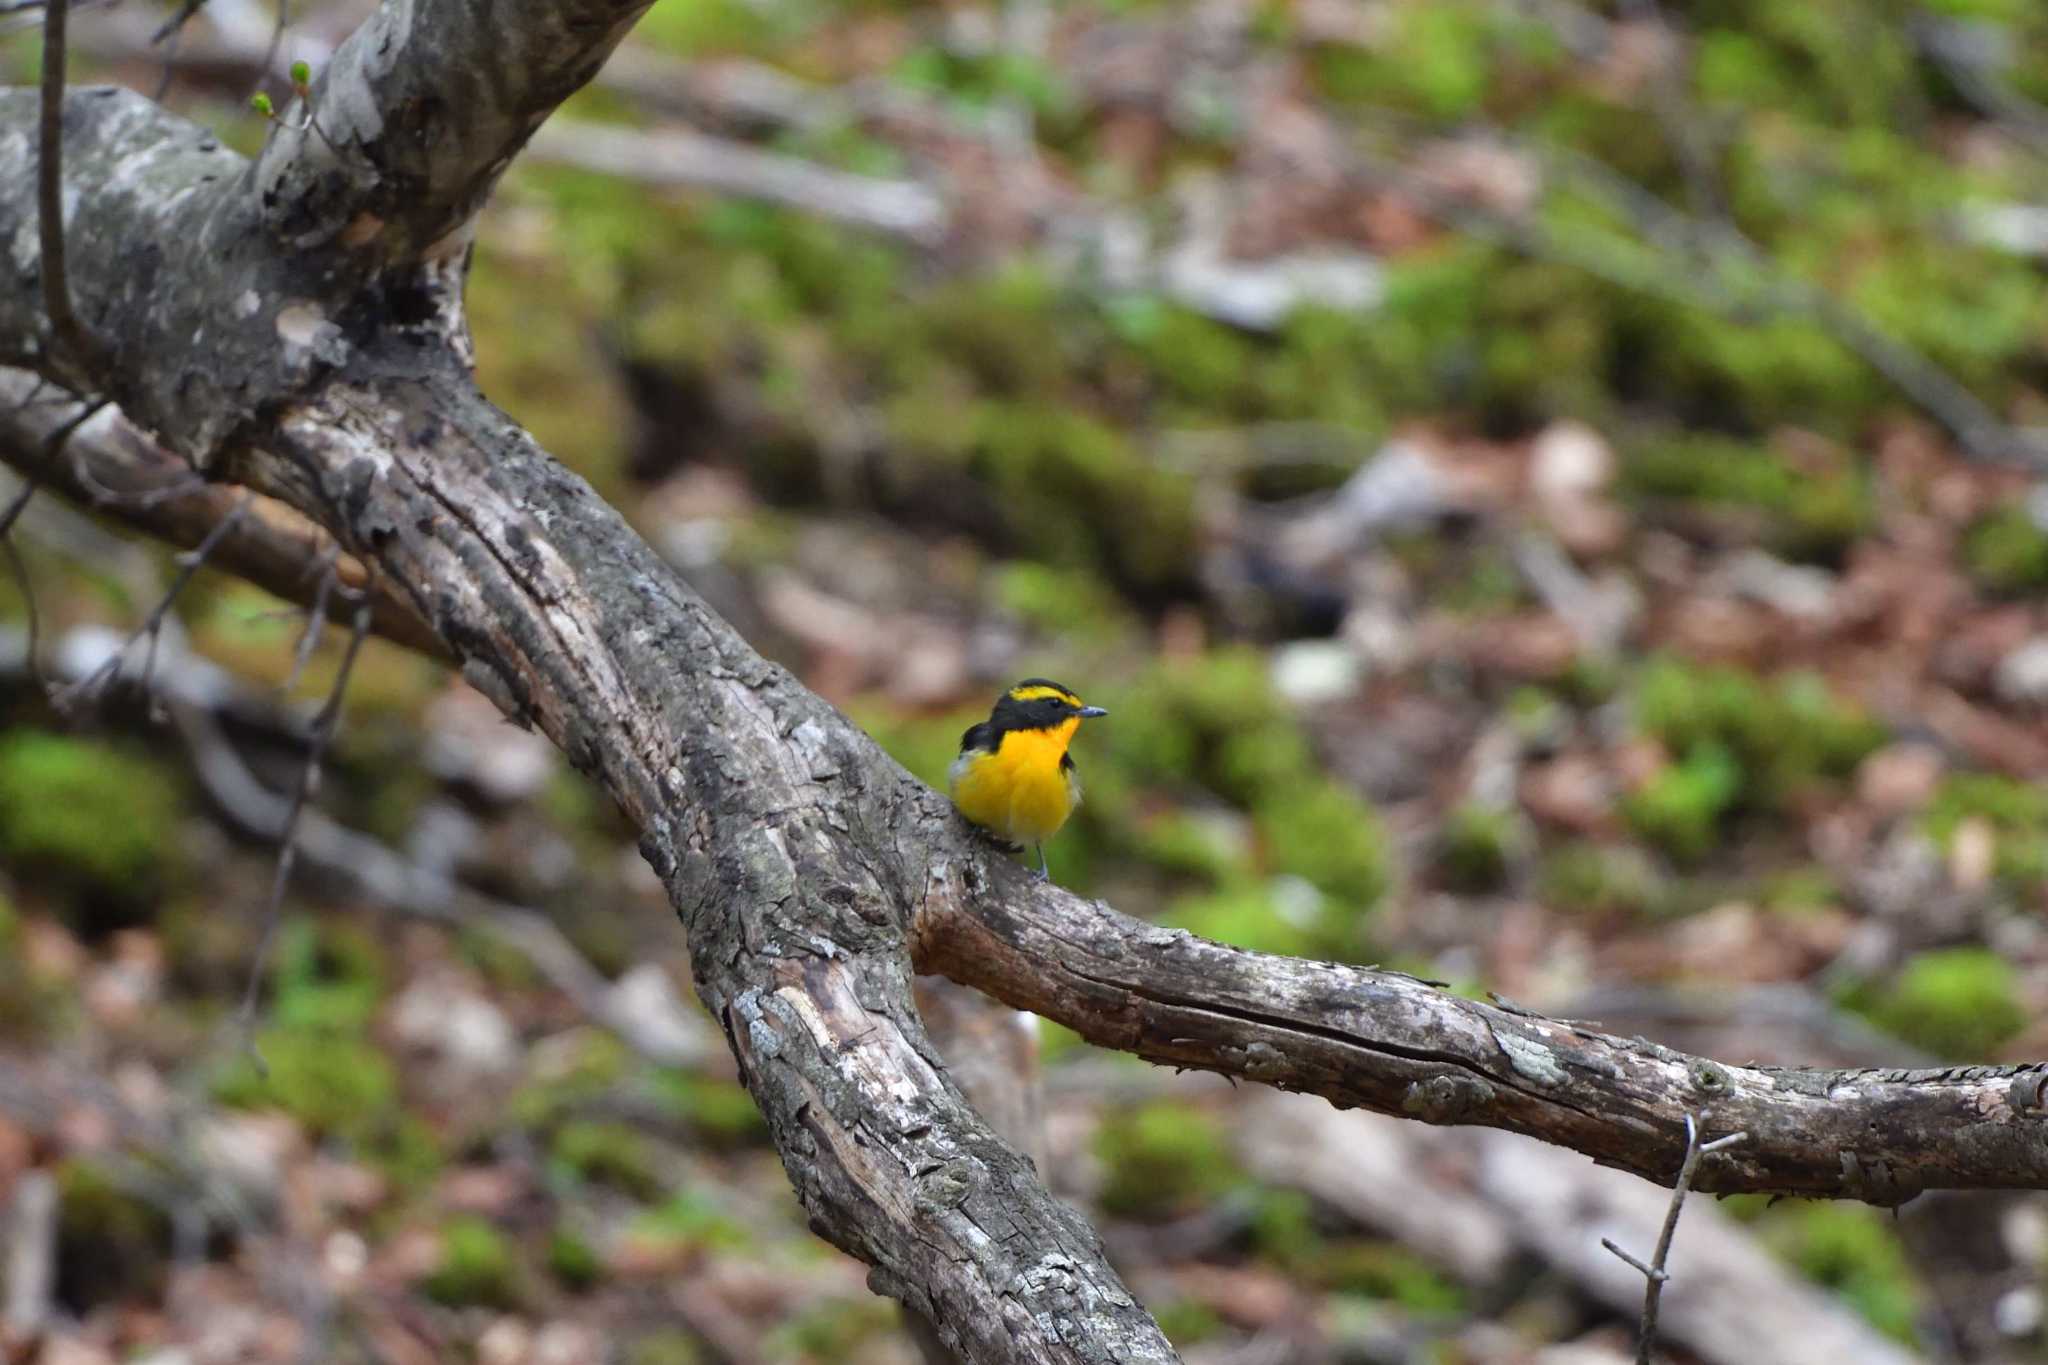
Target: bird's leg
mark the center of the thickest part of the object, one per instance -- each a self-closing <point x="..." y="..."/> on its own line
<point x="1044" y="872"/>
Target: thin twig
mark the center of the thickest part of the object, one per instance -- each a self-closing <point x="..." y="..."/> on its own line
<point x="324" y="726"/>
<point x="170" y="27"/>
<point x="75" y="345"/>
<point x="31" y="1256"/>
<point x="316" y="618"/>
<point x="1654" y="1274"/>
<point x="283" y="20"/>
<point x="53" y="448"/>
<point x="189" y="563"/>
<point x="170" y="67"/>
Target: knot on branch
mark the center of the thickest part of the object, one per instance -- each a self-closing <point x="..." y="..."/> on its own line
<point x="1709" y="1079"/>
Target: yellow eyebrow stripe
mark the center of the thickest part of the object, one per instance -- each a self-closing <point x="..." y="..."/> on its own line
<point x="1038" y="693"/>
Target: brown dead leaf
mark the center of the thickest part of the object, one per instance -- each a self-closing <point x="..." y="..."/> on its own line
<point x="1247" y="1296"/>
<point x="1572" y="791"/>
<point x="1899" y="778"/>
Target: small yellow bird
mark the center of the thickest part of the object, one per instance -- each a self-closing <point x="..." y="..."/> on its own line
<point x="1014" y="776"/>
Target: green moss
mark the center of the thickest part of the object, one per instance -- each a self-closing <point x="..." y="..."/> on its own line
<point x="1195" y="844"/>
<point x="690" y="1220"/>
<point x="1329" y="836"/>
<point x="1214" y="722"/>
<point x="332" y="1083"/>
<point x="573" y="1262"/>
<point x="582" y="1069"/>
<point x="1380" y="1270"/>
<point x="85" y="815"/>
<point x="1960" y="1003"/>
<point x="720" y="1113"/>
<point x="1073" y="490"/>
<point x="1854" y="1250"/>
<point x="1802" y="513"/>
<point x="669" y="1346"/>
<point x="1187" y="1322"/>
<point x="1742" y="743"/>
<point x="330" y="977"/>
<point x="1162" y="1160"/>
<point x="31" y="1007"/>
<point x="1477" y="846"/>
<point x="703" y="28"/>
<point x="546" y="366"/>
<point x="1598" y="880"/>
<point x="403" y="1148"/>
<point x="2007" y="551"/>
<point x="615" y="1154"/>
<point x="479" y="1266"/>
<point x="1252" y="914"/>
<point x="2016" y="811"/>
<point x="1066" y="604"/>
<point x="1680" y="809"/>
<point x="836" y="1329"/>
<point x="1797" y="890"/>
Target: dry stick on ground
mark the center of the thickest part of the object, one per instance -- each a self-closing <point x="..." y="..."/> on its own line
<point x="813" y="875"/>
<point x="30" y="1220"/>
<point x="1654" y="1274"/>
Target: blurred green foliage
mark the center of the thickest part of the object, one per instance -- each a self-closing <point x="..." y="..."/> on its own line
<point x="479" y="1266"/>
<point x="1803" y="513"/>
<point x="1477" y="845"/>
<point x="1739" y="743"/>
<point x="719" y="1112"/>
<point x="611" y="1153"/>
<point x="93" y="818"/>
<point x="1162" y="1160"/>
<point x="1961" y="1004"/>
<point x="2016" y="811"/>
<point x="1599" y="879"/>
<point x="572" y="1260"/>
<point x="2007" y="551"/>
<point x="1854" y="1250"/>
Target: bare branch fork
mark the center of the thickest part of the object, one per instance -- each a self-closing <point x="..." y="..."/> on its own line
<point x="293" y="325"/>
<point x="1654" y="1274"/>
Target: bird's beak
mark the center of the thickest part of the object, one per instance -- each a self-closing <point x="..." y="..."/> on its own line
<point x="1091" y="711"/>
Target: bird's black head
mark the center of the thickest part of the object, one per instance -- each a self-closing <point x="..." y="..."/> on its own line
<point x="1039" y="704"/>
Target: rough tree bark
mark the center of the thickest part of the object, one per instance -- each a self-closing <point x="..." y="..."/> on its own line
<point x="293" y="325"/>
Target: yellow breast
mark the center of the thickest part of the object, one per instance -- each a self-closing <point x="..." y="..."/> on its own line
<point x="1019" y="792"/>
